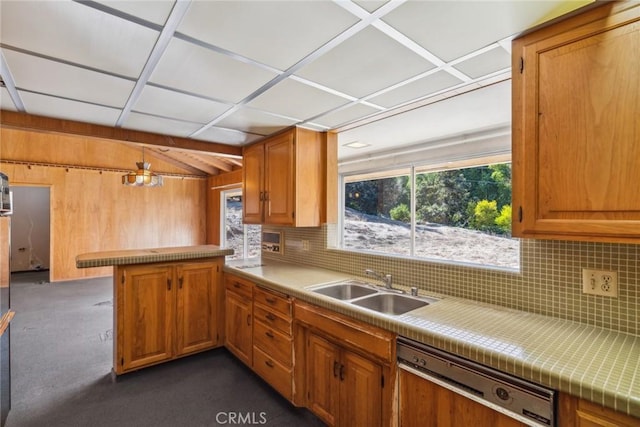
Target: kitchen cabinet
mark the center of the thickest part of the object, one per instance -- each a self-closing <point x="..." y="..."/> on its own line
<point x="427" y="404"/>
<point x="347" y="368"/>
<point x="576" y="103"/>
<point x="272" y="340"/>
<point x="239" y="318"/>
<point x="164" y="311"/>
<point x="576" y="412"/>
<point x="283" y="179"/>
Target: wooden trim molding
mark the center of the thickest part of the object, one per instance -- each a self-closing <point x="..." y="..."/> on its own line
<point x="6" y="319"/>
<point x="24" y="121"/>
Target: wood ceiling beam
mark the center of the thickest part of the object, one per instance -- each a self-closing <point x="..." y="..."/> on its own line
<point x="167" y="157"/>
<point x="24" y="121"/>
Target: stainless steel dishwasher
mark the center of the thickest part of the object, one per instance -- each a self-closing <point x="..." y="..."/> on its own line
<point x="525" y="402"/>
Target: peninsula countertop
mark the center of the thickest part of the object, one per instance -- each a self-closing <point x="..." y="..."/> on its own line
<point x="596" y="364"/>
<point x="146" y="256"/>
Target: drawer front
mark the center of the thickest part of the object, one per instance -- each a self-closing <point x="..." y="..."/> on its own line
<point x="273" y="342"/>
<point x="273" y="300"/>
<point x="272" y="318"/>
<point x="240" y="286"/>
<point x="278" y="376"/>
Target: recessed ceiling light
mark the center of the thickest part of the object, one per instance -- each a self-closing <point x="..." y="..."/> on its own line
<point x="356" y="144"/>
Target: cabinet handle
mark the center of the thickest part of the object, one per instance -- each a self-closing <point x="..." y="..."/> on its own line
<point x="335" y="368"/>
<point x="270" y="300"/>
<point x="270" y="317"/>
<point x="269" y="363"/>
<point x="269" y="334"/>
<point x="341" y="372"/>
<point x="266" y="196"/>
<point x="168" y="284"/>
<point x="236" y="285"/>
<point x="248" y="320"/>
<point x="262" y="196"/>
<point x="180" y="280"/>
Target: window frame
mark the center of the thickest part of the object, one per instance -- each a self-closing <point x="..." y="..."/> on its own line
<point x="223" y="217"/>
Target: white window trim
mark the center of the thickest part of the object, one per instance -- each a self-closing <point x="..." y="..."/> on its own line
<point x="223" y="224"/>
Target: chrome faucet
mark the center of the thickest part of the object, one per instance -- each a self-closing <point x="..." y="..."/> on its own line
<point x="386" y="278"/>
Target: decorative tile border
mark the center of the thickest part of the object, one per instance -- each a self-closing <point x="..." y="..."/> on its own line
<point x="549" y="281"/>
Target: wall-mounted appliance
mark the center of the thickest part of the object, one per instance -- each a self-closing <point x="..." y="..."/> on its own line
<point x="272" y="242"/>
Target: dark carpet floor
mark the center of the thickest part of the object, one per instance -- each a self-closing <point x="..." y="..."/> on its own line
<point x="61" y="355"/>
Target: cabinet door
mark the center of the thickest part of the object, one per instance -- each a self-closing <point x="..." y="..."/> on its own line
<point x="323" y="378"/>
<point x="427" y="404"/>
<point x="576" y="128"/>
<point x="253" y="184"/>
<point x="279" y="180"/>
<point x="360" y="391"/>
<point x="147" y="316"/>
<point x="196" y="324"/>
<point x="238" y="326"/>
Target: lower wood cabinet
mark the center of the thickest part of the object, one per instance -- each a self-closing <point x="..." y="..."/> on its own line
<point x="164" y="311"/>
<point x="239" y="318"/>
<point x="345" y="368"/>
<point x="576" y="412"/>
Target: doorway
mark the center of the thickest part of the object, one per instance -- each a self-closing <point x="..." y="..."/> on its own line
<point x="30" y="229"/>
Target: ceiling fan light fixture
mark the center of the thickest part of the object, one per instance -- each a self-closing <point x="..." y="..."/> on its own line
<point x="143" y="177"/>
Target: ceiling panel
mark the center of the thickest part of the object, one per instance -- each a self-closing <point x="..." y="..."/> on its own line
<point x="297" y="100"/>
<point x="54" y="78"/>
<point x="156" y="11"/>
<point x="365" y="63"/>
<point x="345" y="115"/>
<point x="483" y="108"/>
<point x="370" y="5"/>
<point x="276" y="33"/>
<point x="227" y="136"/>
<point x="255" y="121"/>
<point x="5" y="100"/>
<point x="417" y="89"/>
<point x="451" y="29"/>
<point x="154" y="124"/>
<point x="50" y="106"/>
<point x="163" y="102"/>
<point x="198" y="70"/>
<point x="494" y="60"/>
<point x="77" y="33"/>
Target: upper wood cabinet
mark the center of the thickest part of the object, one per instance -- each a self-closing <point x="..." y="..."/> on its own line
<point x="576" y="127"/>
<point x="283" y="180"/>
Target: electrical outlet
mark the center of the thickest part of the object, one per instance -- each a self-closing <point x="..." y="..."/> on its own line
<point x="598" y="282"/>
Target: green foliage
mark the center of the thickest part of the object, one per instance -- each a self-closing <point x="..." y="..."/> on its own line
<point x="401" y="213"/>
<point x="503" y="221"/>
<point x="477" y="198"/>
<point x="485" y="214"/>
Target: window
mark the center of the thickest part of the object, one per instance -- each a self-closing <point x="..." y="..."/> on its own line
<point x="244" y="239"/>
<point x="460" y="213"/>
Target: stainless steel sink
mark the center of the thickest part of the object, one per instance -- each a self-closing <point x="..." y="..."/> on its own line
<point x="391" y="303"/>
<point x="349" y="289"/>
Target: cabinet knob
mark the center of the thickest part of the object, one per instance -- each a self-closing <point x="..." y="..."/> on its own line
<point x="269" y="334"/>
<point x="248" y="320"/>
<point x="269" y="363"/>
<point x="270" y="317"/>
<point x="270" y="300"/>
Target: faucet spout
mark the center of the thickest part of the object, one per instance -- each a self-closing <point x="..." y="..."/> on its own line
<point x="387" y="279"/>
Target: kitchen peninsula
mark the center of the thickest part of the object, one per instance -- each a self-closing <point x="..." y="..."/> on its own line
<point x="167" y="302"/>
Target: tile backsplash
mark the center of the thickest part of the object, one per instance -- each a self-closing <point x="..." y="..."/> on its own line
<point x="549" y="281"/>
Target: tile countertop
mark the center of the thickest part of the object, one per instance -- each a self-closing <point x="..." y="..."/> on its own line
<point x="145" y="256"/>
<point x="596" y="364"/>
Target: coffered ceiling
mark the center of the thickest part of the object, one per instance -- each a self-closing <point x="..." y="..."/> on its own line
<point x="232" y="72"/>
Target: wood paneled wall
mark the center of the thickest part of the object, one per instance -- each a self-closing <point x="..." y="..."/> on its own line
<point x="91" y="210"/>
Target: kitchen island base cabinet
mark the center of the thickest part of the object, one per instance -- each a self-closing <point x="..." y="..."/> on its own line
<point x="424" y="403"/>
<point x="164" y="311"/>
<point x="346" y="368"/>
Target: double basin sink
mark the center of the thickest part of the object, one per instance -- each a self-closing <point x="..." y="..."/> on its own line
<point x="367" y="295"/>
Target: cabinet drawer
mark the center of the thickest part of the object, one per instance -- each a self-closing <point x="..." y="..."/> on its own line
<point x="272" y="318"/>
<point x="278" y="376"/>
<point x="238" y="285"/>
<point x="272" y="342"/>
<point x="273" y="300"/>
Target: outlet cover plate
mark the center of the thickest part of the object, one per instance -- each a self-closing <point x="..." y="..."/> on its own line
<point x="600" y="282"/>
